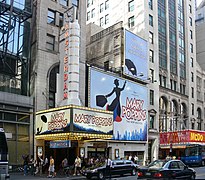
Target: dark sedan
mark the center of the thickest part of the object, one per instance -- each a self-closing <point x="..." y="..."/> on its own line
<point x="119" y="167"/>
<point x="163" y="169"/>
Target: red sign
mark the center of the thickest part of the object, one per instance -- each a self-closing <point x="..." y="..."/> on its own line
<point x="185" y="136"/>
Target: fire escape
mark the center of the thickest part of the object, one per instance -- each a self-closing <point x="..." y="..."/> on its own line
<point x="14" y="45"/>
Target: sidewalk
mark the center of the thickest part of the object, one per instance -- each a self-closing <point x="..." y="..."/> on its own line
<point x="20" y="176"/>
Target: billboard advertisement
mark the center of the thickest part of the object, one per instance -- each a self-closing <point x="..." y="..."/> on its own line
<point x="53" y="122"/>
<point x="127" y="100"/>
<point x="136" y="56"/>
<point x="92" y="122"/>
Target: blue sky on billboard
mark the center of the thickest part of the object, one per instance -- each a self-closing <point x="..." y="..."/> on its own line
<point x="127" y="100"/>
<point x="136" y="56"/>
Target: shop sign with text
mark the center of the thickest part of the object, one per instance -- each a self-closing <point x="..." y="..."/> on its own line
<point x="185" y="136"/>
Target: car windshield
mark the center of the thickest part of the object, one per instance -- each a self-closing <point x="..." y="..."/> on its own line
<point x="157" y="164"/>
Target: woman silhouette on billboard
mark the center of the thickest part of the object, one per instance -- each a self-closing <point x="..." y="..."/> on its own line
<point x="115" y="105"/>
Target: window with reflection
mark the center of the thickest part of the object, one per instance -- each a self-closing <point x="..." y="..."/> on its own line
<point x="51" y="17"/>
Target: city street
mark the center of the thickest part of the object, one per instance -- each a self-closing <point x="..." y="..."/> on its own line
<point x="200" y="172"/>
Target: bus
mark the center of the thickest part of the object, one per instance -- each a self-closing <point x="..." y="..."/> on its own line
<point x="194" y="154"/>
<point x="4" y="172"/>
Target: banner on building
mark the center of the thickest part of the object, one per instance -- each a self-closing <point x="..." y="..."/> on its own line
<point x="127" y="100"/>
<point x="136" y="56"/>
<point x="92" y="122"/>
<point x="54" y="121"/>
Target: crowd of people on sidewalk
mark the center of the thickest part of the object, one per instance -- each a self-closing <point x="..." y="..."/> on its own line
<point x="38" y="166"/>
<point x="41" y="166"/>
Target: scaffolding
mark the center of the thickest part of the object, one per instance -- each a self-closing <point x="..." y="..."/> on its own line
<point x="14" y="45"/>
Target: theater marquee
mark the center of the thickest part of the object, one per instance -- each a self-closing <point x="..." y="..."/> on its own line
<point x="73" y="122"/>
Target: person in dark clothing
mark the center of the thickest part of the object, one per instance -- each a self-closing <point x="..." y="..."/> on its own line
<point x="25" y="164"/>
<point x="108" y="167"/>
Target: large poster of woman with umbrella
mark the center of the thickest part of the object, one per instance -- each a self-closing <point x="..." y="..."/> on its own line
<point x="127" y="100"/>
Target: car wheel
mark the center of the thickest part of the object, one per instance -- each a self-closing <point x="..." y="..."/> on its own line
<point x="203" y="163"/>
<point x="101" y="175"/>
<point x="134" y="172"/>
<point x="192" y="176"/>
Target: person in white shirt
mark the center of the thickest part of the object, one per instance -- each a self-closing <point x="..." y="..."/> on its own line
<point x="135" y="159"/>
<point x="108" y="167"/>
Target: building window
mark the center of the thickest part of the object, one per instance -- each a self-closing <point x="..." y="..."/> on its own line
<point x="101" y="8"/>
<point x="151" y="4"/>
<point x="152" y="75"/>
<point x="192" y="62"/>
<point x="173" y="85"/>
<point x="131" y="22"/>
<point x="93" y="13"/>
<point x="64" y="2"/>
<point x="60" y="20"/>
<point x="51" y="17"/>
<point x="88" y="3"/>
<point x="50" y="41"/>
<point x="88" y="15"/>
<point x="190" y="21"/>
<point x="131" y="6"/>
<point x="182" y="89"/>
<point x="164" y="81"/>
<point x="150" y="20"/>
<point x="151" y="39"/>
<point x="151" y="121"/>
<point x="191" y="48"/>
<point x="107" y="19"/>
<point x="151" y="97"/>
<point x="191" y="34"/>
<point x="151" y="55"/>
<point x="192" y="109"/>
<point x="101" y="21"/>
<point x="192" y="92"/>
<point x="190" y="9"/>
<point x="106" y="4"/>
<point x="192" y="77"/>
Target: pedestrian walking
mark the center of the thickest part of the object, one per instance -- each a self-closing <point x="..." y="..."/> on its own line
<point x="31" y="164"/>
<point x="25" y="164"/>
<point x="51" y="169"/>
<point x="39" y="164"/>
<point x="77" y="166"/>
<point x="45" y="165"/>
<point x="108" y="167"/>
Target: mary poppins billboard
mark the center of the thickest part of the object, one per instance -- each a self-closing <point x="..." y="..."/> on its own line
<point x="127" y="100"/>
<point x="136" y="56"/>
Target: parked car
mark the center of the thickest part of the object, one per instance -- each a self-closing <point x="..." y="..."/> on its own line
<point x="166" y="169"/>
<point x="119" y="167"/>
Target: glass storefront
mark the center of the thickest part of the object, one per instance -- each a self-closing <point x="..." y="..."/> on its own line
<point x="16" y="123"/>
